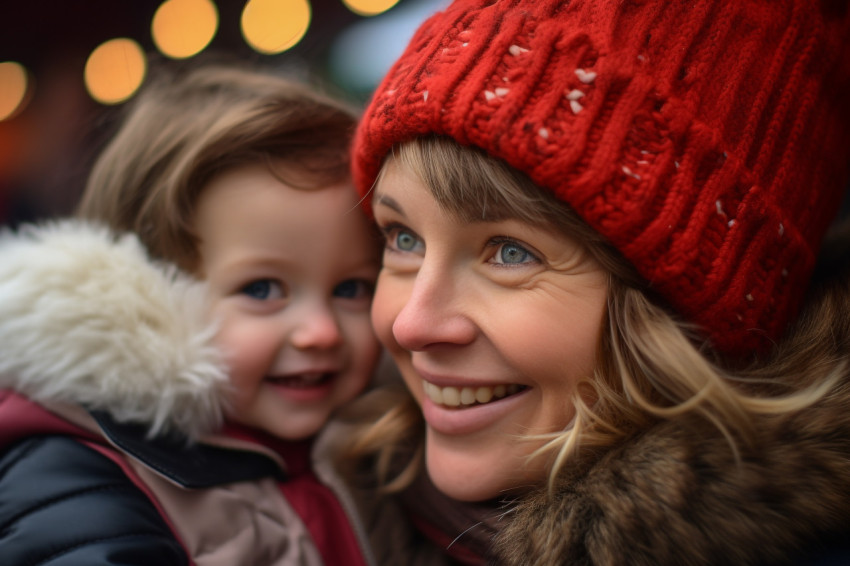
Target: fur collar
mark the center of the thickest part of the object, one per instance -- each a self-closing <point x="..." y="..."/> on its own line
<point x="677" y="496"/>
<point x="86" y="317"/>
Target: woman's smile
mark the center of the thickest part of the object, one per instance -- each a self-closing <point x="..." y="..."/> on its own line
<point x="463" y="397"/>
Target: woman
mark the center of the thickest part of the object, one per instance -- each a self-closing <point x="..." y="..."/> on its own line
<point x="601" y="224"/>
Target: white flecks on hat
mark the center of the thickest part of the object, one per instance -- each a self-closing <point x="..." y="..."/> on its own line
<point x="676" y="164"/>
<point x="516" y="50"/>
<point x="497" y="92"/>
<point x="544" y="133"/>
<point x="586" y="77"/>
<point x="749" y="297"/>
<point x="731" y="223"/>
<point x="719" y="206"/>
<point x="573" y="96"/>
<point x="425" y="95"/>
<point x="464" y="44"/>
<point x="630" y="173"/>
<point x="781" y="229"/>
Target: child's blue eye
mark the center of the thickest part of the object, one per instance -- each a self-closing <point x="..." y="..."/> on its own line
<point x="263" y="289"/>
<point x="354" y="289"/>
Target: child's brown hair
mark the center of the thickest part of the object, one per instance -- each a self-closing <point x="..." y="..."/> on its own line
<point x="182" y="129"/>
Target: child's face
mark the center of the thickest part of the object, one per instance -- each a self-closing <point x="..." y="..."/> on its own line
<point x="501" y="312"/>
<point x="291" y="274"/>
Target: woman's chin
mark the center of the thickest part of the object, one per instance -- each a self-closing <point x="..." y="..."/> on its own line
<point x="469" y="477"/>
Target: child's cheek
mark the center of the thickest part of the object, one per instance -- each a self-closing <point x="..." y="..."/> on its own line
<point x="249" y="355"/>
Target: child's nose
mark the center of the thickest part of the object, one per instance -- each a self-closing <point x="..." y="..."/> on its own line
<point x="318" y="328"/>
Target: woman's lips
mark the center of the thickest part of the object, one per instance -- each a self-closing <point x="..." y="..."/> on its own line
<point x="470" y="415"/>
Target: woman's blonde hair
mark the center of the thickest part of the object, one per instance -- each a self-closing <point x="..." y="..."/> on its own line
<point x="651" y="364"/>
<point x="185" y="127"/>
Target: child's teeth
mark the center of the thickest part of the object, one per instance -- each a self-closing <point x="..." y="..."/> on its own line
<point x="312" y="377"/>
<point x="454" y="397"/>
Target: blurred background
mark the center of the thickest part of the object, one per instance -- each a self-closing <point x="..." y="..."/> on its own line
<point x="68" y="66"/>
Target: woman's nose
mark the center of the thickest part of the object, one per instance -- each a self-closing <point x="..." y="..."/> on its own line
<point x="432" y="314"/>
<point x="316" y="328"/>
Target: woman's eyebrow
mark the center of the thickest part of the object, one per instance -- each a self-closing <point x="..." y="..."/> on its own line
<point x="389" y="202"/>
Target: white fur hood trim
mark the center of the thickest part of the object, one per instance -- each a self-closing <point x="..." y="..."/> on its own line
<point x="86" y="317"/>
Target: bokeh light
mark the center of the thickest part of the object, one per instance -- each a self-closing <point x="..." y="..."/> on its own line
<point x="369" y="7"/>
<point x="364" y="51"/>
<point x="14" y="89"/>
<point x="115" y="70"/>
<point x="183" y="28"/>
<point x="273" y="26"/>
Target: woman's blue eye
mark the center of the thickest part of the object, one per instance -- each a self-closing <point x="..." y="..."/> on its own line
<point x="405" y="241"/>
<point x="354" y="289"/>
<point x="513" y="253"/>
<point x="400" y="239"/>
<point x="263" y="289"/>
<point x="508" y="252"/>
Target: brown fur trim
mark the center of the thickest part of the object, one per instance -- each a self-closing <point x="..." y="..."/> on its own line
<point x="677" y="496"/>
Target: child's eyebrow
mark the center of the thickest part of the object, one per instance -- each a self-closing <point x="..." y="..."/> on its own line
<point x="389" y="202"/>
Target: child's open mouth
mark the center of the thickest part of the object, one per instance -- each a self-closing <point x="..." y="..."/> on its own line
<point x="303" y="381"/>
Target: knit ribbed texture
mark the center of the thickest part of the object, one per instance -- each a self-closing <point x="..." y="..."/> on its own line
<point x="708" y="140"/>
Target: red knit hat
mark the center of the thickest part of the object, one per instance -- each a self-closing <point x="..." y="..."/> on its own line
<point x="708" y="140"/>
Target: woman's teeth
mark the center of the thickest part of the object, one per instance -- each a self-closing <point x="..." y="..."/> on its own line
<point x="465" y="396"/>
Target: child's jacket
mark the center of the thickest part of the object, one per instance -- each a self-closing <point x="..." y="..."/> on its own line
<point x="110" y="392"/>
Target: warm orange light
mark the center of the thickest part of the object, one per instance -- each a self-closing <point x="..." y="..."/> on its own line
<point x="183" y="28"/>
<point x="14" y="87"/>
<point x="273" y="26"/>
<point x="369" y="7"/>
<point x="115" y="70"/>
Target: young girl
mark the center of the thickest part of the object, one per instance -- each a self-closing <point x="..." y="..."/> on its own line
<point x="601" y="224"/>
<point x="120" y="370"/>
